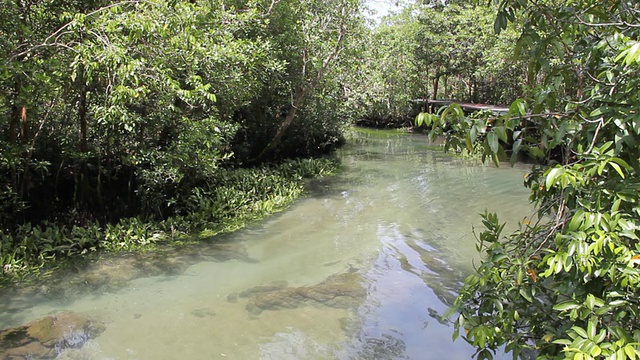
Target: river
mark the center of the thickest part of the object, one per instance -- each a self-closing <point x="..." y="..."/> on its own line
<point x="361" y="268"/>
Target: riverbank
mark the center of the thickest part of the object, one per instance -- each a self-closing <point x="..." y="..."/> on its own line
<point x="236" y="197"/>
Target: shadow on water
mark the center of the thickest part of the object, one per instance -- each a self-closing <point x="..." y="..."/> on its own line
<point x="99" y="275"/>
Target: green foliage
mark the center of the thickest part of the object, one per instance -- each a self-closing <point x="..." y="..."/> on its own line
<point x="119" y="109"/>
<point x="458" y="52"/>
<point x="565" y="285"/>
<point x="303" y="110"/>
<point x="229" y="201"/>
<point x="388" y="78"/>
<point x="124" y="122"/>
<point x="430" y="51"/>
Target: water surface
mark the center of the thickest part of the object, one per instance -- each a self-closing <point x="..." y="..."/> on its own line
<point x="360" y="269"/>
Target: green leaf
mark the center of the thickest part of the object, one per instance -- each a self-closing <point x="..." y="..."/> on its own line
<point x="535" y="152"/>
<point x="492" y="141"/>
<point x="630" y="54"/>
<point x="518" y="108"/>
<point x="576" y="220"/>
<point x="467" y="139"/>
<point x="617" y="168"/>
<point x="526" y="294"/>
<point x="567" y="305"/>
<point x="501" y="132"/>
<point x="592" y="327"/>
<point x="473" y="133"/>
<point x="596" y="113"/>
<point x="517" y="145"/>
<point x="500" y="23"/>
<point x="601" y="167"/>
<point x="630" y="351"/>
<point x="580" y="331"/>
<point x="485" y="354"/>
<point x="552" y="176"/>
<point x="423" y="119"/>
<point x="590" y="302"/>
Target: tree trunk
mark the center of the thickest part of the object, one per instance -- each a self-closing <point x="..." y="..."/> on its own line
<point x="297" y="102"/>
<point x="446" y="87"/>
<point x="82" y="111"/>
<point x="436" y="81"/>
<point x="303" y="90"/>
<point x="14" y="123"/>
<point x="24" y="130"/>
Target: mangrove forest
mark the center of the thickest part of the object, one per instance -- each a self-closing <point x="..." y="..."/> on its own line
<point x="317" y="163"/>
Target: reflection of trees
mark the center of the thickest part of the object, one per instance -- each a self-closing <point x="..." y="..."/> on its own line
<point x="444" y="280"/>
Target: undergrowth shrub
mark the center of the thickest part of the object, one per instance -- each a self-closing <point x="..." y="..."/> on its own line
<point x="230" y="200"/>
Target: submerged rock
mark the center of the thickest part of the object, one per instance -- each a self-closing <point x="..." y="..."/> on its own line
<point x="273" y="286"/>
<point x="47" y="337"/>
<point x="204" y="312"/>
<point x="227" y="251"/>
<point x="443" y="279"/>
<point x="342" y="291"/>
<point x="382" y="348"/>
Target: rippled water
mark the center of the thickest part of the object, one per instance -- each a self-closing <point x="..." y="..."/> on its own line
<point x="360" y="269"/>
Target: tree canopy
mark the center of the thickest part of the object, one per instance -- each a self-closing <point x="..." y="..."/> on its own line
<point x="136" y="110"/>
<point x="437" y="51"/>
<point x="157" y="95"/>
<point x="565" y="284"/>
<point x="124" y="112"/>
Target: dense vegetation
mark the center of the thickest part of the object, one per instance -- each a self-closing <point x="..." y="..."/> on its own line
<point x="434" y="51"/>
<point x="566" y="284"/>
<point x="131" y="122"/>
<point x="119" y="113"/>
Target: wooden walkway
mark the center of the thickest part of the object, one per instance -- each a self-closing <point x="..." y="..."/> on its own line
<point x="433" y="105"/>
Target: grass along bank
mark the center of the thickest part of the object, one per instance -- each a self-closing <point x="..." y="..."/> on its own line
<point x="230" y="201"/>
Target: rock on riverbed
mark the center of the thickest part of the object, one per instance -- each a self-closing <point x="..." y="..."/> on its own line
<point x="47" y="337"/>
<point x="338" y="291"/>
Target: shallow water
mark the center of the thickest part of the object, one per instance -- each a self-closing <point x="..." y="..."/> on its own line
<point x="360" y="269"/>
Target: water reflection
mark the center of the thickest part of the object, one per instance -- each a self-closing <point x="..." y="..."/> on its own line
<point x="360" y="269"/>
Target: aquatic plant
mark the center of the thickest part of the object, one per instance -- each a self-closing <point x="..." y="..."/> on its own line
<point x="227" y="202"/>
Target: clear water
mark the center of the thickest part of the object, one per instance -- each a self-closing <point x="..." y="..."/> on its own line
<point x="399" y="220"/>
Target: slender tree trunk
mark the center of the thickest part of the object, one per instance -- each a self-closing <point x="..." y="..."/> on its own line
<point x="302" y="92"/>
<point x="14" y="123"/>
<point x="473" y="90"/>
<point x="446" y="87"/>
<point x="82" y="111"/>
<point x="436" y="82"/>
<point x="24" y="130"/>
<point x="580" y="84"/>
<point x="297" y="102"/>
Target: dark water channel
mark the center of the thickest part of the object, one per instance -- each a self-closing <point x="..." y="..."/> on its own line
<point x="360" y="269"/>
